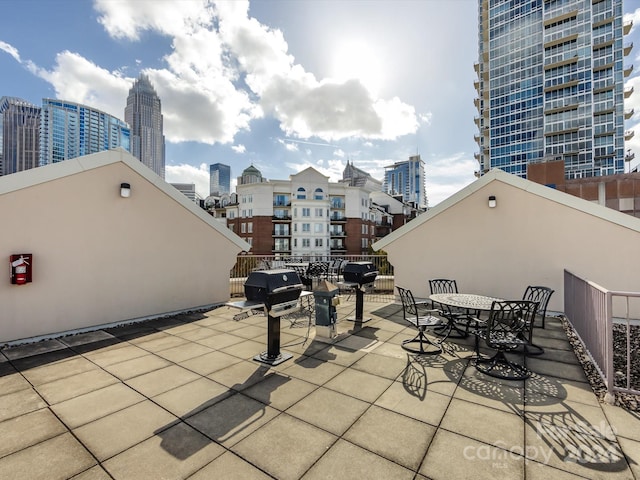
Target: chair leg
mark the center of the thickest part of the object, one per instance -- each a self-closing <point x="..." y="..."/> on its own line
<point x="421" y="339"/>
<point x="499" y="366"/>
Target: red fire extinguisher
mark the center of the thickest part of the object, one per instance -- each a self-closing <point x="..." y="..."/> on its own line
<point x="20" y="270"/>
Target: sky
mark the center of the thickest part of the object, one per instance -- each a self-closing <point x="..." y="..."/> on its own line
<point x="278" y="84"/>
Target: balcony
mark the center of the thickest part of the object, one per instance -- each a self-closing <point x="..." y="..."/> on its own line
<point x="627" y="71"/>
<point x="281" y="233"/>
<point x="338" y="218"/>
<point x="628" y="135"/>
<point x="627" y="49"/>
<point x="629" y="156"/>
<point x="628" y="113"/>
<point x="281" y="218"/>
<point x="338" y="233"/>
<point x="626" y="28"/>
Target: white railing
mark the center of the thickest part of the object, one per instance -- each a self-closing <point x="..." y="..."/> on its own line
<point x="593" y="311"/>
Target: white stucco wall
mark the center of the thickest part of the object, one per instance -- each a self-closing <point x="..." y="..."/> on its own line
<point x="100" y="258"/>
<point x="528" y="239"/>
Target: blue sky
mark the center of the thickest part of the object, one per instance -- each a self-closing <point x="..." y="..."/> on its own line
<point x="281" y="84"/>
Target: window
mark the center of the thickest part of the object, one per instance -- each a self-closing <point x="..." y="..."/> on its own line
<point x="250" y="227"/>
<point x="306" y="227"/>
<point x="319" y="212"/>
<point x="372" y="230"/>
<point x="318" y="242"/>
<point x="302" y="194"/>
<point x="243" y="228"/>
<point x="250" y="212"/>
<point x="317" y="227"/>
<point x="306" y="243"/>
<point x="363" y="229"/>
<point x="306" y="212"/>
<point x="365" y="243"/>
<point x="319" y="194"/>
<point x="249" y="240"/>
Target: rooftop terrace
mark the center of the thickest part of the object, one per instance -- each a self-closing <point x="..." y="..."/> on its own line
<point x="180" y="397"/>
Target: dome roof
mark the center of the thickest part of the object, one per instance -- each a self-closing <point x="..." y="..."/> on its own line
<point x="251" y="170"/>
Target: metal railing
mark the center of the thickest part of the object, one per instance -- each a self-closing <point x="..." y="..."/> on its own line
<point x="382" y="289"/>
<point x="592" y="311"/>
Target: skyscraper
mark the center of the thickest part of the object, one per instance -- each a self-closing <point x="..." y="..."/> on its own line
<point x="19" y="135"/>
<point x="219" y="179"/>
<point x="407" y="179"/>
<point x="551" y="85"/>
<point x="144" y="114"/>
<point x="69" y="130"/>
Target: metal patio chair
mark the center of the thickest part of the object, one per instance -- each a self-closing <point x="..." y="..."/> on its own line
<point x="418" y="315"/>
<point x="504" y="331"/>
<point x="540" y="294"/>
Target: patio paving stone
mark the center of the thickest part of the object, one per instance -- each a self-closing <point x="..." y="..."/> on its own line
<point x="86" y="408"/>
<point x="210" y="362"/>
<point x="137" y="366"/>
<point x="360" y="385"/>
<point x="192" y="397"/>
<point x="58" y="458"/>
<point x="422" y="404"/>
<point x="26" y="430"/>
<point x="396" y="437"/>
<point x="279" y="390"/>
<point x="285" y="447"/>
<point x="345" y="460"/>
<point x="230" y="467"/>
<point x="119" y="431"/>
<point x="162" y="380"/>
<point x="232" y="419"/>
<point x="69" y="387"/>
<point x="20" y="402"/>
<point x="184" y="352"/>
<point x="174" y="453"/>
<point x="329" y="410"/>
<point x="306" y="368"/>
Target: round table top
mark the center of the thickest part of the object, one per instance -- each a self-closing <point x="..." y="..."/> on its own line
<point x="464" y="300"/>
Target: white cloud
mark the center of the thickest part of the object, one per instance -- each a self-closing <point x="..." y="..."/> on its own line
<point x="238" y="148"/>
<point x="205" y="66"/>
<point x="184" y="173"/>
<point x="10" y="49"/>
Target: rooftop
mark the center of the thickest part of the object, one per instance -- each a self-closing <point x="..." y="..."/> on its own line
<point x="181" y="397"/>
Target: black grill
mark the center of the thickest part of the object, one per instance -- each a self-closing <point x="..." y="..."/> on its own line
<point x="278" y="289"/>
<point x="361" y="273"/>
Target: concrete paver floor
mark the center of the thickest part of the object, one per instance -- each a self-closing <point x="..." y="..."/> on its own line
<point x="182" y="397"/>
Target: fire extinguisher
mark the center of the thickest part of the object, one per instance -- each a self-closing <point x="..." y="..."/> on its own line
<point x="21" y="274"/>
<point x="20" y="267"/>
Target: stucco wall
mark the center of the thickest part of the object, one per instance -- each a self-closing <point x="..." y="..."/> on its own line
<point x="100" y="258"/>
<point x="526" y="240"/>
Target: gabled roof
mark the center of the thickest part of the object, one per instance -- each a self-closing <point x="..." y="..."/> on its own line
<point x="52" y="172"/>
<point x="497" y="175"/>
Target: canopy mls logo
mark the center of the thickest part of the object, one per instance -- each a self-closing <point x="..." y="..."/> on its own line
<point x="576" y="442"/>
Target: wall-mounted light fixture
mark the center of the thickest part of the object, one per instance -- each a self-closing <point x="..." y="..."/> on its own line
<point x="125" y="190"/>
<point x="492" y="201"/>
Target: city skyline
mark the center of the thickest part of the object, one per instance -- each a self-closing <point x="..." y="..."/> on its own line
<point x="282" y="85"/>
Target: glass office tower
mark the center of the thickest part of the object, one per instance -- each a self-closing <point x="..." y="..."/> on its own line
<point x="551" y="85"/>
<point x="407" y="179"/>
<point x="219" y="179"/>
<point x="19" y="135"/>
<point x="144" y="114"/>
<point x="69" y="130"/>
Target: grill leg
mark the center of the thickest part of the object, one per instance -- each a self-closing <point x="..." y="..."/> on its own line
<point x="273" y="356"/>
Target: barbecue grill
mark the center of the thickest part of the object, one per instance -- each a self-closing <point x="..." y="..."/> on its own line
<point x="356" y="275"/>
<point x="361" y="273"/>
<point x="278" y="292"/>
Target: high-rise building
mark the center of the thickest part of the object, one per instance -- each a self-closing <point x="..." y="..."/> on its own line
<point x="19" y="135"/>
<point x="69" y="130"/>
<point x="551" y="85"/>
<point x="144" y="114"/>
<point x="407" y="179"/>
<point x="219" y="179"/>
